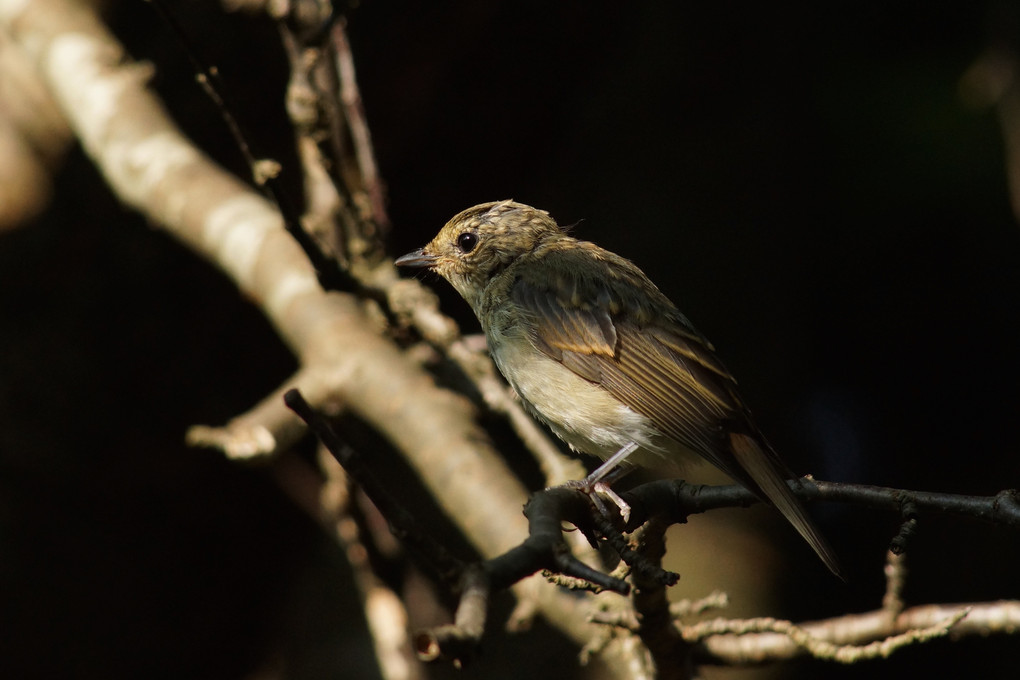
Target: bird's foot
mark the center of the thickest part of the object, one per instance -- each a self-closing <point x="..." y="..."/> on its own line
<point x="600" y="481"/>
<point x="593" y="489"/>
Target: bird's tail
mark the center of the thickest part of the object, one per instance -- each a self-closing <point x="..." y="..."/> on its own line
<point x="759" y="466"/>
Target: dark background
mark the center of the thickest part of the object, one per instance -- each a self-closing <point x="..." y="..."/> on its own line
<point x="806" y="183"/>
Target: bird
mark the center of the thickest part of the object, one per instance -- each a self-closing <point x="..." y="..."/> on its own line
<point x="600" y="355"/>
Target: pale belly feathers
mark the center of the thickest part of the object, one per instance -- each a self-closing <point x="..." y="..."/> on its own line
<point x="581" y="413"/>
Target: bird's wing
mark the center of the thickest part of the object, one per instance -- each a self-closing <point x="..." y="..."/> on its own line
<point x="601" y="318"/>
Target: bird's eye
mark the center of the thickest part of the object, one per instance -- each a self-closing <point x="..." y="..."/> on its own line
<point x="467" y="242"/>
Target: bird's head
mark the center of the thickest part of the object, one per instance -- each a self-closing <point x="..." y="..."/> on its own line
<point x="480" y="242"/>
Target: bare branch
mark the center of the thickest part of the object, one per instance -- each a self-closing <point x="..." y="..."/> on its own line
<point x="627" y="618"/>
<point x="669" y="651"/>
<point x="677" y="499"/>
<point x="385" y="613"/>
<point x="207" y="77"/>
<point x="458" y="641"/>
<point x="991" y="81"/>
<point x="154" y="169"/>
<point x="335" y="337"/>
<point x="354" y="112"/>
<point x="265" y="429"/>
<point x="895" y="579"/>
<point x="848" y="638"/>
<point x="33" y="137"/>
<point x="402" y="522"/>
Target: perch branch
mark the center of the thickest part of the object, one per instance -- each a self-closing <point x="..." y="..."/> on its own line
<point x="676" y="499"/>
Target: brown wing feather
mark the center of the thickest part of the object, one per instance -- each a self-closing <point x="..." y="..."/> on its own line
<point x="614" y="328"/>
<point x="658" y="365"/>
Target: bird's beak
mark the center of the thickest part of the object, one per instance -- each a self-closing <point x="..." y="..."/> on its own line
<point x="418" y="258"/>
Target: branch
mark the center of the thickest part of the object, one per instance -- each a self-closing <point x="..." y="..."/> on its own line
<point x="151" y="167"/>
<point x="848" y="638"/>
<point x="402" y="522"/>
<point x="843" y="639"/>
<point x="384" y="610"/>
<point x="991" y="82"/>
<point x="33" y="137"/>
<point x="156" y="170"/>
<point x="543" y="549"/>
<point x="677" y="499"/>
<point x="459" y="641"/>
<point x="261" y="431"/>
<point x="354" y="112"/>
<point x="670" y="652"/>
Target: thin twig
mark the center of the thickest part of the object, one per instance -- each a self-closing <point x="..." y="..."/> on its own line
<point x="402" y="522"/>
<point x="459" y="641"/>
<point x="383" y="608"/>
<point x="264" y="172"/>
<point x="669" y="651"/>
<point x="207" y="77"/>
<point x="813" y="638"/>
<point x="895" y="580"/>
<point x="357" y="124"/>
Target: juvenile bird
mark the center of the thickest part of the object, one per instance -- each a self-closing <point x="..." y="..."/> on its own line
<point x="599" y="354"/>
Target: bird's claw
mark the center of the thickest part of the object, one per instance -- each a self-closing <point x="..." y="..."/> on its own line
<point x="593" y="489"/>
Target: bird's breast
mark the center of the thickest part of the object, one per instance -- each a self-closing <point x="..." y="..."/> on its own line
<point x="579" y="412"/>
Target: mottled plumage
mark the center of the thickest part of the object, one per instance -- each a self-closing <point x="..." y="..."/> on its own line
<point x="598" y="353"/>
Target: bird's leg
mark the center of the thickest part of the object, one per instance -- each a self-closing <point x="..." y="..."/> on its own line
<point x="599" y="481"/>
<point x="607" y="471"/>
